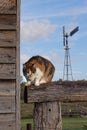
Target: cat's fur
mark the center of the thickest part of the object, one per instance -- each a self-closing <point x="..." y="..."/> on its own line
<point x="38" y="70"/>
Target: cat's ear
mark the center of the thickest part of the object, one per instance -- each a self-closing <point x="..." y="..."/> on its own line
<point x="33" y="65"/>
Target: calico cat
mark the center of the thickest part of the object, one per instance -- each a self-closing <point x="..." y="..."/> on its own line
<point x="38" y="70"/>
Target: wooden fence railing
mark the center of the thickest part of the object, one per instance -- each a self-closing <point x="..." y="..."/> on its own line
<point x="47" y="100"/>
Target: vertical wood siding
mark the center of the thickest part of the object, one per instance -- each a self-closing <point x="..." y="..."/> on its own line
<point x="9" y="65"/>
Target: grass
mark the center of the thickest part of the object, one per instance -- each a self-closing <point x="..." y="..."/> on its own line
<point x="68" y="123"/>
<point x="26" y="114"/>
<point x="24" y="122"/>
<point x="76" y="123"/>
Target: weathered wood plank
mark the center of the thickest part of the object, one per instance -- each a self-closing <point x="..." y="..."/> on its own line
<point x="7" y="38"/>
<point x="7" y="122"/>
<point x="65" y="92"/>
<point x="7" y="22"/>
<point x="7" y="104"/>
<point x="7" y="88"/>
<point x="7" y="6"/>
<point x="7" y="71"/>
<point x="18" y="68"/>
<point x="7" y="55"/>
<point x="7" y="117"/>
<point x="7" y="125"/>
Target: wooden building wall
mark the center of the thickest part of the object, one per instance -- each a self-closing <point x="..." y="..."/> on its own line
<point x="9" y="65"/>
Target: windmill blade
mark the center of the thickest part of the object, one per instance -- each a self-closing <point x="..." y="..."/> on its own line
<point x="63" y="35"/>
<point x="74" y="31"/>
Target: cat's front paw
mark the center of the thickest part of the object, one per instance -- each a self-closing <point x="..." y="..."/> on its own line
<point x="28" y="83"/>
<point x="37" y="83"/>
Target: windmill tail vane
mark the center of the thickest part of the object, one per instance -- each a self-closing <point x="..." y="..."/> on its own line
<point x="74" y="31"/>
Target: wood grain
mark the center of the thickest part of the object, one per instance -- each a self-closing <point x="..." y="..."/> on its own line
<point x="70" y="92"/>
<point x="47" y="116"/>
<point x="7" y="6"/>
<point x="7" y="22"/>
<point x="18" y="127"/>
<point x="7" y="38"/>
<point x="7" y="88"/>
<point x="7" y="104"/>
<point x="9" y="65"/>
<point x="7" y="71"/>
<point x="7" y="125"/>
<point x="7" y="122"/>
<point x="7" y="55"/>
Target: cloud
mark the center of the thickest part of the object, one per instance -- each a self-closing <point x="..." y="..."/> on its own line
<point x="69" y="12"/>
<point x="35" y="29"/>
<point x="24" y="58"/>
<point x="74" y="11"/>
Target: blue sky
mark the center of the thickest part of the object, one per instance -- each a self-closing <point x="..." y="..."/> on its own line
<point x="41" y="33"/>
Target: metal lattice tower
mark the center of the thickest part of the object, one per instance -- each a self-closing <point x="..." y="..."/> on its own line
<point x="67" y="71"/>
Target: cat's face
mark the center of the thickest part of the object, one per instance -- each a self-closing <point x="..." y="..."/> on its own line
<point x="28" y="70"/>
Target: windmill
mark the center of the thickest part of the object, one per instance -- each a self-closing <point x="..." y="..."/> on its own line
<point x="67" y="71"/>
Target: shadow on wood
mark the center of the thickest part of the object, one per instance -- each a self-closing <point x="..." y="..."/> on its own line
<point x="28" y="127"/>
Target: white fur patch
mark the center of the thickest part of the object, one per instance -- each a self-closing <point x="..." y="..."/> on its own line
<point x="42" y="81"/>
<point x="39" y="73"/>
<point x="28" y="83"/>
<point x="37" y="77"/>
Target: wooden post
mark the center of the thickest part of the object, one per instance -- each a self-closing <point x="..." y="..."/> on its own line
<point x="47" y="100"/>
<point x="47" y="116"/>
<point x="28" y="127"/>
